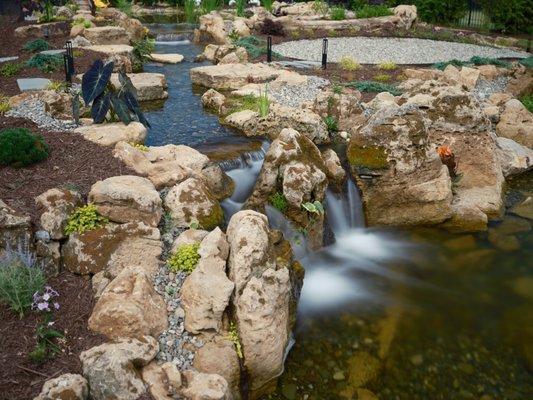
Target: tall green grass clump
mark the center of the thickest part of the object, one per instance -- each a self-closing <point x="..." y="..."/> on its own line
<point x="189" y="8"/>
<point x="263" y="103"/>
<point x="368" y="11"/>
<point x="239" y="5"/>
<point x="267" y="4"/>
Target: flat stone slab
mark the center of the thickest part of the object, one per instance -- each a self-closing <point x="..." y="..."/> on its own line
<point x="52" y="52"/>
<point x="169" y="58"/>
<point x="150" y="86"/>
<point x="374" y="50"/>
<point x="28" y="84"/>
<point x="112" y="49"/>
<point x="6" y="59"/>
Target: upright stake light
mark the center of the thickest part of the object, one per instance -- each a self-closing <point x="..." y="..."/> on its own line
<point x="269" y="49"/>
<point x="68" y="62"/>
<point x="324" y="53"/>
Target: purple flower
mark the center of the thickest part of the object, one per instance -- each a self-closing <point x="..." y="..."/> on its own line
<point x="43" y="306"/>
<point x="56" y="306"/>
<point x="46" y="297"/>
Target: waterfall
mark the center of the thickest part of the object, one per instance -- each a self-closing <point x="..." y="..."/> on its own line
<point x="335" y="275"/>
<point x="344" y="210"/>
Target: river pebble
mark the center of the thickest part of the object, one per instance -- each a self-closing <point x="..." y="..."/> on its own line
<point x="295" y="95"/>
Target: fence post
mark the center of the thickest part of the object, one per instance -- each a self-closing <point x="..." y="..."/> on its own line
<point x="269" y="48"/>
<point x="470" y="6"/>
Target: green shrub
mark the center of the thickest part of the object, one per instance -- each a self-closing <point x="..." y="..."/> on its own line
<point x="82" y="21"/>
<point x="10" y="69"/>
<point x="185" y="258"/>
<point x="338" y="89"/>
<point x="374" y="87"/>
<point x="527" y="62"/>
<point x="320" y="7"/>
<point x="510" y="15"/>
<point x="331" y="123"/>
<point x="368" y="11"/>
<point x="348" y="63"/>
<point x="527" y="101"/>
<point x="19" y="147"/>
<point x="142" y="50"/>
<point x="4" y="104"/>
<point x="36" y="45"/>
<point x="439" y="11"/>
<point x="85" y="219"/>
<point x="254" y="46"/>
<point x="279" y="202"/>
<point x="20" y="278"/>
<point x="207" y="6"/>
<point x="46" y="62"/>
<point x="476" y="60"/>
<point x="337" y="13"/>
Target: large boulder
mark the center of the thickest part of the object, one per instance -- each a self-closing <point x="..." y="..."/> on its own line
<point x="340" y="106"/>
<point x="516" y="123"/>
<point x="163" y="381"/>
<point x="48" y="30"/>
<point x="112" y="133"/>
<point x="514" y="158"/>
<point x="15" y="228"/>
<point x="191" y="201"/>
<point x="112" y="368"/>
<point x="129" y="307"/>
<point x="407" y="13"/>
<point x="233" y="76"/>
<point x="106" y="35"/>
<point x="211" y="29"/>
<point x="278" y="118"/>
<point x="56" y="206"/>
<point x="112" y="248"/>
<point x="134" y="29"/>
<point x="262" y="298"/>
<point x="149" y="85"/>
<point x="294" y="167"/>
<point x="200" y="386"/>
<point x="206" y="291"/>
<point x="127" y="198"/>
<point x="219" y="357"/>
<point x="164" y="165"/>
<point x="205" y="295"/>
<point x="65" y="387"/>
<point x="395" y="158"/>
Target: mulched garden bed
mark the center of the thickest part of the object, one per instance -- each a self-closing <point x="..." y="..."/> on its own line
<point x="11" y="45"/>
<point x="73" y="163"/>
<point x="20" y="378"/>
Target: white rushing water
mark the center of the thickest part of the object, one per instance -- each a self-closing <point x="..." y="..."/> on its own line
<point x="332" y="277"/>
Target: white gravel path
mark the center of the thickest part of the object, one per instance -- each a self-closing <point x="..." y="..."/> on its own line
<point x="399" y="50"/>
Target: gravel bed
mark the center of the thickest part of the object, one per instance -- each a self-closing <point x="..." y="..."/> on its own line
<point x="175" y="342"/>
<point x="295" y="95"/>
<point x="34" y="111"/>
<point x="485" y="88"/>
<point x="399" y="50"/>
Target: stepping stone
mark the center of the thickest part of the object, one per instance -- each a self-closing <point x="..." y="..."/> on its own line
<point x="52" y="52"/>
<point x="6" y="59"/>
<point x="112" y="49"/>
<point x="28" y="84"/>
<point x="167" y="58"/>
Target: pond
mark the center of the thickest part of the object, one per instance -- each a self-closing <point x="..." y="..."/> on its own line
<point x="408" y="314"/>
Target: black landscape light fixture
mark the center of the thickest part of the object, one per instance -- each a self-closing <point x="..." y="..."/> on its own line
<point x="324" y="53"/>
<point x="68" y="62"/>
<point x="269" y="49"/>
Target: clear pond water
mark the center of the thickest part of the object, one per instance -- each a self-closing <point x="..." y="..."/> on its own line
<point x="407" y="314"/>
<point x="181" y="119"/>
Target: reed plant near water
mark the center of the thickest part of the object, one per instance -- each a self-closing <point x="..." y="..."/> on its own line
<point x="209" y="5"/>
<point x="189" y="8"/>
<point x="263" y="103"/>
<point x="267" y="4"/>
<point x="239" y="4"/>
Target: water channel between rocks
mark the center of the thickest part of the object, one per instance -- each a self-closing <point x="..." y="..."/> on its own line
<point x="409" y="314"/>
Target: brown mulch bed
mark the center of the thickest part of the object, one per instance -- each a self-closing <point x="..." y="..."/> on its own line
<point x="20" y="378"/>
<point x="73" y="163"/>
<point x="10" y="45"/>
